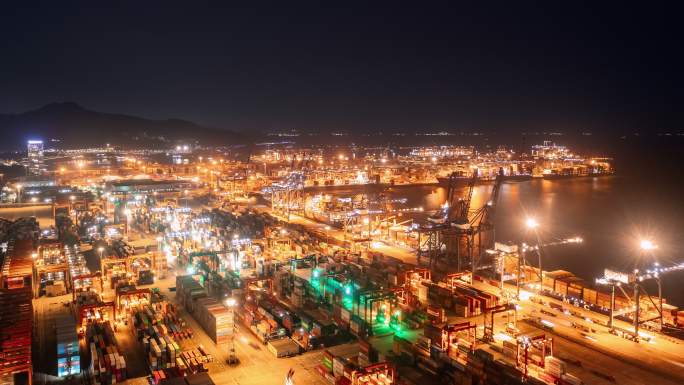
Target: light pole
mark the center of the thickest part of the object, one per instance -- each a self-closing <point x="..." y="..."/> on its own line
<point x="127" y="214"/>
<point x="646" y="246"/>
<point x="157" y="256"/>
<point x="532" y="224"/>
<point x="327" y="233"/>
<point x="102" y="272"/>
<point x="232" y="359"/>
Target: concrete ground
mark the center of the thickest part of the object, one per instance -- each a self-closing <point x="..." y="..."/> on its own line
<point x="257" y="365"/>
<point x="631" y="363"/>
<point x="661" y="361"/>
<point x="43" y="214"/>
<point x="46" y="310"/>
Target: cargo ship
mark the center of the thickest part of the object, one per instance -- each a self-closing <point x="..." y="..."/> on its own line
<point x="554" y="176"/>
<point x="444" y="181"/>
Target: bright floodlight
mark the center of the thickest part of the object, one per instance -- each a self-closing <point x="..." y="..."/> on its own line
<point x="230" y="302"/>
<point x="100" y="249"/>
<point x="531" y="223"/>
<point x="647" y="244"/>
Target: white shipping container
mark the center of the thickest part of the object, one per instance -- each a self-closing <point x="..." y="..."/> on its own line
<point x="338" y="366"/>
<point x="570" y="379"/>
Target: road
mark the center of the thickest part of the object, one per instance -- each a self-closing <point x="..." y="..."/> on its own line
<point x="257" y="364"/>
<point x="43" y="214"/>
<point x="663" y="357"/>
<point x="46" y="310"/>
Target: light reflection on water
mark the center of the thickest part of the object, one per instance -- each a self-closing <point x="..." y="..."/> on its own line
<point x="609" y="213"/>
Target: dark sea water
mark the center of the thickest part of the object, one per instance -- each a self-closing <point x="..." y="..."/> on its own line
<point x="611" y="214"/>
<point x="645" y="199"/>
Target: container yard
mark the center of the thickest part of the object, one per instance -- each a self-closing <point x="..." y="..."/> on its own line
<point x="169" y="286"/>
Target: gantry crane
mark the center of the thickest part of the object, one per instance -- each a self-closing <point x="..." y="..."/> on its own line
<point x="489" y="326"/>
<point x="636" y="280"/>
<point x="451" y="330"/>
<point x="456" y="226"/>
<point x="450" y="226"/>
<point x="482" y="223"/>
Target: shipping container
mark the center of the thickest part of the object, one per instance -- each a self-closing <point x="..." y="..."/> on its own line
<point x="283" y="347"/>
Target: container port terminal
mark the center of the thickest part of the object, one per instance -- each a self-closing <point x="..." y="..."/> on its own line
<point x="306" y="266"/>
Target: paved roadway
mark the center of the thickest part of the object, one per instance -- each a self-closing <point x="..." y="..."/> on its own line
<point x="663" y="358"/>
<point x="257" y="364"/>
<point x="660" y="360"/>
<point x="43" y="214"/>
<point x="46" y="310"/>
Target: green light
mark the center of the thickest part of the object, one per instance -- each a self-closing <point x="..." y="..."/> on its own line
<point x="316" y="273"/>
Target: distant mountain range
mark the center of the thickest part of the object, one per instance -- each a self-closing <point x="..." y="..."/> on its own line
<point x="68" y="125"/>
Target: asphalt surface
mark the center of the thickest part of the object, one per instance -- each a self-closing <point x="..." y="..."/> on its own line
<point x="660" y="361"/>
<point x="43" y="214"/>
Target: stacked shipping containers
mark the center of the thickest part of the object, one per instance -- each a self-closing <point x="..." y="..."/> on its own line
<point x="188" y="290"/>
<point x="107" y="366"/>
<point x="68" y="357"/>
<point x="212" y="315"/>
<point x="554" y="367"/>
<point x="215" y="318"/>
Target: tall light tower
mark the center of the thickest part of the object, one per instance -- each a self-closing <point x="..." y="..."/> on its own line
<point x="533" y="225"/>
<point x="646" y="246"/>
<point x="232" y="358"/>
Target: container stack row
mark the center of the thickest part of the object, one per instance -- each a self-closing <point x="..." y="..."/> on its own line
<point x="216" y="319"/>
<point x="159" y="319"/>
<point x="107" y="366"/>
<point x="68" y="357"/>
<point x="188" y="290"/>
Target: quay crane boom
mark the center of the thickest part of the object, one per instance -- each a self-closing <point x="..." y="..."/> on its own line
<point x="459" y="209"/>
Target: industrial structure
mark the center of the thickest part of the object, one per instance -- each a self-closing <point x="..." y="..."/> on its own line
<point x="183" y="273"/>
<point x="35" y="162"/>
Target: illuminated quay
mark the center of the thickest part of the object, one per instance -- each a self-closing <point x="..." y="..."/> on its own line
<point x="349" y="193"/>
<point x="190" y="264"/>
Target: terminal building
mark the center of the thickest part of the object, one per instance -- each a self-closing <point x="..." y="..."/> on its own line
<point x="35" y="165"/>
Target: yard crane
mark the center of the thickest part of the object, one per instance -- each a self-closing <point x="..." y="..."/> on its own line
<point x="489" y="326"/>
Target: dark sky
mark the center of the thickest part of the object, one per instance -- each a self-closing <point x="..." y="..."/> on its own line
<point x="380" y="66"/>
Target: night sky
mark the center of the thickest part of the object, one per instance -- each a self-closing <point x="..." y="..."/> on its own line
<point x="381" y="66"/>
